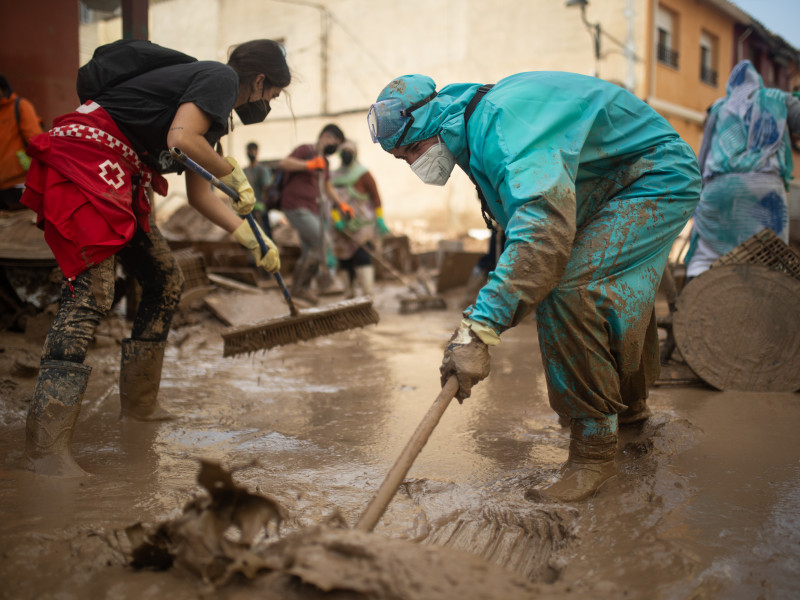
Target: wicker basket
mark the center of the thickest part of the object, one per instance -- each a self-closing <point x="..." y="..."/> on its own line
<point x="764" y="248"/>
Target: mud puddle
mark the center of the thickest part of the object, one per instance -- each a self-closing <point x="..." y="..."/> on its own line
<point x="706" y="504"/>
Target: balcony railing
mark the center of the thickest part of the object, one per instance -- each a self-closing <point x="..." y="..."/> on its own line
<point x="667" y="56"/>
<point x="708" y="75"/>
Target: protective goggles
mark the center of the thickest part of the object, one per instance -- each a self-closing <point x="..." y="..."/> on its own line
<point x="387" y="117"/>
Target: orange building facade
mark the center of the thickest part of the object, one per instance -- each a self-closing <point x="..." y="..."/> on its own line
<point x="692" y="47"/>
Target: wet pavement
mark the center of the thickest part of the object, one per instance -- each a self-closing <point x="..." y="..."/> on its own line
<point x="707" y="504"/>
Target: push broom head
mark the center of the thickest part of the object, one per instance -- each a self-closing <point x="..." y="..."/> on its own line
<point x="307" y="325"/>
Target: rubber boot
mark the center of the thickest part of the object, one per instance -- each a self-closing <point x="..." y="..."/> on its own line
<point x="365" y="276"/>
<point x="637" y="412"/>
<point x="51" y="419"/>
<point x="325" y="282"/>
<point x="301" y="281"/>
<point x="328" y="284"/>
<point x="139" y="380"/>
<point x="591" y="462"/>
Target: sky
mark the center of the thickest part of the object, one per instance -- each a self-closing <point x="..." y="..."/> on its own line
<point x="779" y="16"/>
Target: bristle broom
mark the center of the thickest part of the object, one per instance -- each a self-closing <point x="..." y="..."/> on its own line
<point x="309" y="324"/>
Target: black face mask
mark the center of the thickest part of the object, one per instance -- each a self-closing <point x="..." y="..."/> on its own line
<point x="253" y="112"/>
<point x="329" y="149"/>
<point x="347" y="157"/>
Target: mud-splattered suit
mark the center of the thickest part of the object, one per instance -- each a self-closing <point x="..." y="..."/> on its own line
<point x="591" y="187"/>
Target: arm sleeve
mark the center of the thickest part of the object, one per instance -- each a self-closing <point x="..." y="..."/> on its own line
<point x="213" y="89"/>
<point x="538" y="242"/>
<point x="793" y="113"/>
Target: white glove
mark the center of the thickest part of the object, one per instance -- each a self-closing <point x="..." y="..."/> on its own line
<point x="237" y="180"/>
<point x="271" y="261"/>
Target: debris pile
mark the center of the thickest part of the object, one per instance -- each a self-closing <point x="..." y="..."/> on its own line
<point x="201" y="540"/>
<point x="229" y="536"/>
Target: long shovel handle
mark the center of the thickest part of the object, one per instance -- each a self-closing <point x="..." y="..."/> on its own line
<point x="380" y="501"/>
<point x="178" y="155"/>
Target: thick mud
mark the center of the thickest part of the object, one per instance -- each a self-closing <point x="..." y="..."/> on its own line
<point x="707" y="503"/>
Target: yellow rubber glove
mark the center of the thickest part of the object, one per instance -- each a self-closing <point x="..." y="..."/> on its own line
<point x="245" y="236"/>
<point x="237" y="180"/>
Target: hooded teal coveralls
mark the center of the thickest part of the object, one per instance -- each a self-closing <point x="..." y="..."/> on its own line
<point x="591" y="187"/>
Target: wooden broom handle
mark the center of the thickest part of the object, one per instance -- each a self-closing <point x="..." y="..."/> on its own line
<point x="380" y="501"/>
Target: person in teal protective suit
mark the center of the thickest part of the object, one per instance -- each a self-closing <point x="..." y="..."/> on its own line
<point x="590" y="187"/>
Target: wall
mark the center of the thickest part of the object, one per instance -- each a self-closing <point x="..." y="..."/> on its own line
<point x="342" y="57"/>
<point x="681" y="94"/>
<point x="39" y="53"/>
<point x="674" y="85"/>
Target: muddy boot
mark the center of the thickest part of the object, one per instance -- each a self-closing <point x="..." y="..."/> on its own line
<point x="51" y="419"/>
<point x="301" y="282"/>
<point x="637" y="412"/>
<point x="139" y="380"/>
<point x="306" y="295"/>
<point x="327" y="284"/>
<point x="591" y="462"/>
<point x="365" y="276"/>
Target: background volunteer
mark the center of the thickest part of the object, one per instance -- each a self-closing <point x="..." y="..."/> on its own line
<point x="357" y="188"/>
<point x="746" y="163"/>
<point x="88" y="184"/>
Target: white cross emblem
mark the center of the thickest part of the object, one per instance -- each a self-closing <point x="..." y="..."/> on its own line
<point x="105" y="176"/>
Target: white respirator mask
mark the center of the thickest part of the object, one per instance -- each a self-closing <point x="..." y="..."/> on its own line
<point x="435" y="164"/>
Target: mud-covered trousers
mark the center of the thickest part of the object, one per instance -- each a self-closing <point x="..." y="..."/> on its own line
<point x="309" y="230"/>
<point x="597" y="330"/>
<point x="88" y="298"/>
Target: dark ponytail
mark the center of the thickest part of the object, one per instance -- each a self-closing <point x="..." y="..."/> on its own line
<point x="260" y="56"/>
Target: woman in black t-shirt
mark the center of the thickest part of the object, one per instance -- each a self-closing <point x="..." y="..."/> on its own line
<point x="88" y="185"/>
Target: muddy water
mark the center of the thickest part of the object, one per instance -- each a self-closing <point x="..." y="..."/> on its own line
<point x="707" y="504"/>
